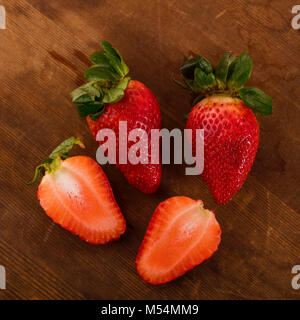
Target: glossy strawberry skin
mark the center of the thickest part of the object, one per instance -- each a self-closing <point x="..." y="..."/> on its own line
<point x="231" y="138"/>
<point x="140" y="109"/>
<point x="78" y="197"/>
<point x="180" y="235"/>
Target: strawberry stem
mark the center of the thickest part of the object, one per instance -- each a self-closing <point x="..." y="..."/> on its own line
<point x="53" y="162"/>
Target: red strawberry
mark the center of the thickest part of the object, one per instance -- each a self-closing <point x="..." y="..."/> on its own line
<point x="231" y="136"/>
<point x="75" y="193"/>
<point x="110" y="97"/>
<point x="180" y="235"/>
<point x="231" y="131"/>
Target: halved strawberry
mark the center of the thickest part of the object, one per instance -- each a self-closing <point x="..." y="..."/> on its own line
<point x="76" y="194"/>
<point x="180" y="235"/>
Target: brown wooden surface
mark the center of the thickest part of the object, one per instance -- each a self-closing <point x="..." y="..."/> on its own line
<point x="43" y="54"/>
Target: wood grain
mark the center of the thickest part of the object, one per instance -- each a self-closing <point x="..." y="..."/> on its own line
<point x="43" y="53"/>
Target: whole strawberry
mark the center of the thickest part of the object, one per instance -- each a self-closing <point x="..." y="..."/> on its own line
<point x="225" y="110"/>
<point x="110" y="97"/>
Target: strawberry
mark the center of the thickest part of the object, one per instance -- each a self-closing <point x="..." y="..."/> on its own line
<point x="75" y="193"/>
<point x="180" y="235"/>
<point x="224" y="109"/>
<point x="109" y="97"/>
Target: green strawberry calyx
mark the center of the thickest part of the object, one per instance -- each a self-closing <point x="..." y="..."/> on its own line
<point x="53" y="162"/>
<point x="228" y="77"/>
<point x="106" y="82"/>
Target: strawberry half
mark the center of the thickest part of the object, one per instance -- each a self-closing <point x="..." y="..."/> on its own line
<point x="224" y="109"/>
<point x="180" y="235"/>
<point x="76" y="194"/>
<point x="110" y="97"/>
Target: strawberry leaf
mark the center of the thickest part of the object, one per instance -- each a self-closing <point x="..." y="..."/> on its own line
<point x="204" y="65"/>
<point x="52" y="163"/>
<point x="89" y="108"/>
<point x="123" y="83"/>
<point x="203" y="80"/>
<point x="81" y="94"/>
<point x="86" y="93"/>
<point x="221" y="70"/>
<point x="97" y="72"/>
<point x="239" y="71"/>
<point x="113" y="95"/>
<point x="257" y="100"/>
<point x="99" y="58"/>
<point x="96" y="115"/>
<point x="115" y="59"/>
<point x="37" y="172"/>
<point x="189" y="66"/>
<point x="191" y="85"/>
<point x="65" y="147"/>
<point x="83" y="99"/>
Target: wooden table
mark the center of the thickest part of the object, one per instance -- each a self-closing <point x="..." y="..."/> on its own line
<point x="43" y="53"/>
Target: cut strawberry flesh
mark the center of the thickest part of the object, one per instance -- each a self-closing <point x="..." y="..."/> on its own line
<point x="180" y="235"/>
<point x="78" y="196"/>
